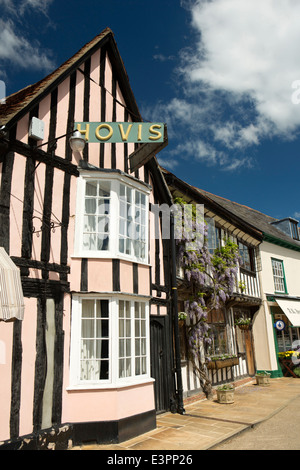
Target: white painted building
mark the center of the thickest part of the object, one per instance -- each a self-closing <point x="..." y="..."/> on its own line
<point x="278" y="270"/>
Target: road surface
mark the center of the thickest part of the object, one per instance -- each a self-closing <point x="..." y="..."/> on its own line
<point x="280" y="432"/>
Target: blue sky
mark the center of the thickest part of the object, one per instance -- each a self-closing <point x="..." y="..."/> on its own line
<point x="220" y="73"/>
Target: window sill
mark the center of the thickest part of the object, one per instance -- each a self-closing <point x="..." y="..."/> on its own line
<point x="108" y="256"/>
<point x="108" y="386"/>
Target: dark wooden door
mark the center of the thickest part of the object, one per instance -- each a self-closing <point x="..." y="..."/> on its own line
<point x="159" y="362"/>
<point x="249" y="352"/>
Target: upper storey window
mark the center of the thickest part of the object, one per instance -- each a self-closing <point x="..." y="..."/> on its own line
<point x="96" y="223"/>
<point x="111" y="217"/>
<point x="278" y="276"/>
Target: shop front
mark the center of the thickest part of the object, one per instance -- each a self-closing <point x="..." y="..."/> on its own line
<point x="286" y="321"/>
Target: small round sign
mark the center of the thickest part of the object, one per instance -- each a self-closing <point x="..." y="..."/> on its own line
<point x="280" y="325"/>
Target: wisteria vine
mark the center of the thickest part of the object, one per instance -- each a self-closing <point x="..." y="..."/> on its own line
<point x="212" y="277"/>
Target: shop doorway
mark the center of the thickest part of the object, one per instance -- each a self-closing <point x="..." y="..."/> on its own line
<point x="160" y="369"/>
<point x="244" y="340"/>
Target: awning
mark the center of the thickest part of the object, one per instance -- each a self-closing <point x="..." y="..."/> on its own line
<point x="291" y="309"/>
<point x="11" y="294"/>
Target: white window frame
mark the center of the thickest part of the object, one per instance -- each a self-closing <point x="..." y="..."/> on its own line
<point x="115" y="179"/>
<point x="279" y="276"/>
<point x="114" y="380"/>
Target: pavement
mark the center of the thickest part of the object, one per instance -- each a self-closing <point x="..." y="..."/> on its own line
<point x="206" y="423"/>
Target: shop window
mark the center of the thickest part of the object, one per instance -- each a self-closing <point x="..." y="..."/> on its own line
<point x="111" y="217"/>
<point x="109" y="341"/>
<point x="286" y="337"/>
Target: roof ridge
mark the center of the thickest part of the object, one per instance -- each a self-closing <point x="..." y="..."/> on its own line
<point x="237" y="203"/>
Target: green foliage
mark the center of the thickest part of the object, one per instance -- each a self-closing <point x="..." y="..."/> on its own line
<point x="225" y="387"/>
<point x="297" y="371"/>
<point x="211" y="277"/>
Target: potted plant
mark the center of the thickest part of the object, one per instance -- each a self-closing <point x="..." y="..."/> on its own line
<point x="181" y="318"/>
<point x="221" y="361"/>
<point x="263" y="378"/>
<point x="243" y="323"/>
<point x="297" y="371"/>
<point x="225" y="393"/>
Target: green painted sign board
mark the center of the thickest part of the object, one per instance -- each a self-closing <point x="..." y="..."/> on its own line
<point x="126" y="132"/>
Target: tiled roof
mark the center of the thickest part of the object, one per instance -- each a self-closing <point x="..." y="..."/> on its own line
<point x="255" y="219"/>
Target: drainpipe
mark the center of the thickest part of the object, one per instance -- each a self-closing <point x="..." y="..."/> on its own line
<point x="174" y="294"/>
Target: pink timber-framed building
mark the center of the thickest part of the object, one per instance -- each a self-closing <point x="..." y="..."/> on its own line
<point x="93" y="357"/>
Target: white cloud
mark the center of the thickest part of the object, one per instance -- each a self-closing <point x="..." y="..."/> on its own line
<point x="167" y="163"/>
<point x="19" y="51"/>
<point x="37" y="5"/>
<point x="15" y="46"/>
<point x="235" y="82"/>
<point x="249" y="50"/>
<point x="13" y="9"/>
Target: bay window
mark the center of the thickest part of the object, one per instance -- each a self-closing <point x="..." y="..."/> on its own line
<point x="109" y="341"/>
<point x="111" y="217"/>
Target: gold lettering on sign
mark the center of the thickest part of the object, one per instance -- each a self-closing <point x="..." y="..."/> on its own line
<point x="104" y="126"/>
<point x="153" y="131"/>
<point x="123" y="134"/>
<point x="85" y="131"/>
<point x="139" y="132"/>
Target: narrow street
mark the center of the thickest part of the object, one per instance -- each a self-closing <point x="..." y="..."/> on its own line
<point x="280" y="432"/>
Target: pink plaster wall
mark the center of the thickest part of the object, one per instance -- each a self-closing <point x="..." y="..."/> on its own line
<point x="72" y="209"/>
<point x="120" y="118"/>
<point x="6" y="336"/>
<point x="144" y="279"/>
<point x="17" y="196"/>
<point x="126" y="277"/>
<point x="62" y="112"/>
<point x="95" y="104"/>
<point x="75" y="274"/>
<point x="22" y="129"/>
<point x="56" y="216"/>
<point x="107" y="404"/>
<point x="28" y="365"/>
<point x="109" y="110"/>
<point x="100" y="275"/>
<point x="44" y="115"/>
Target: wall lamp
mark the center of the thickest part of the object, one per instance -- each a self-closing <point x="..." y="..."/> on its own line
<point x="77" y="142"/>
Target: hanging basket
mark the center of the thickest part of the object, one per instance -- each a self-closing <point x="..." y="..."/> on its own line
<point x="245" y="326"/>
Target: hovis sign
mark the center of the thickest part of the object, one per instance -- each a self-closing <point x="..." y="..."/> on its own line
<point x="126" y="132"/>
